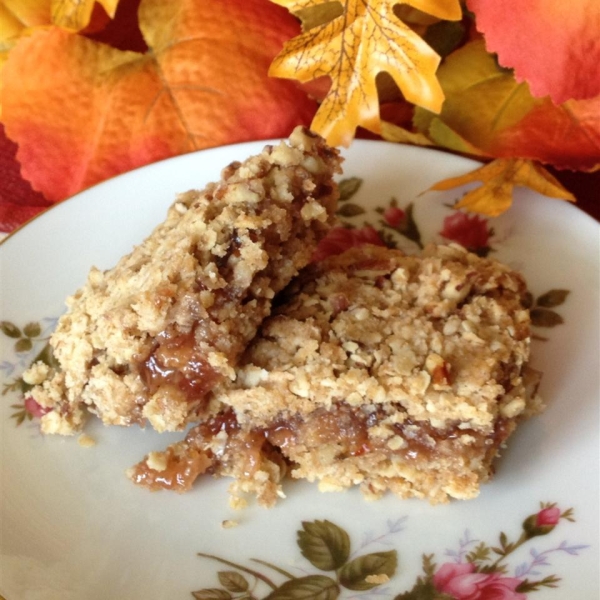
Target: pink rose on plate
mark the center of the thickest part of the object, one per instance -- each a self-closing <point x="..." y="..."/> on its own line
<point x="548" y="516"/>
<point x="461" y="581"/>
<point x="470" y="231"/>
<point x="393" y="216"/>
<point x="340" y="239"/>
<point x="542" y="522"/>
<point x="34" y="409"/>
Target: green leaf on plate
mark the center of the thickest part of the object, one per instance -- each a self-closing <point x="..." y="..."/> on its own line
<point x="324" y="544"/>
<point x="212" y="594"/>
<point x="23" y="345"/>
<point x="349" y="187"/>
<point x="552" y="298"/>
<point x="32" y="330"/>
<point x="480" y="553"/>
<point x="355" y="575"/>
<point x="20" y="415"/>
<point x="429" y="565"/>
<point x="423" y="590"/>
<point x="350" y="210"/>
<point x="233" y="581"/>
<point x="9" y="329"/>
<point x="543" y="317"/>
<point x="311" y="587"/>
<point x="551" y="581"/>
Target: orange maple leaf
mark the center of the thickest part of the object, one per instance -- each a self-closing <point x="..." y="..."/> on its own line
<point x="21" y="17"/>
<point x="498" y="179"/>
<point x="82" y="111"/>
<point x="366" y="39"/>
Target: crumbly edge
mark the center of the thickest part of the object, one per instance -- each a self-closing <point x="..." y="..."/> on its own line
<point x="210" y="271"/>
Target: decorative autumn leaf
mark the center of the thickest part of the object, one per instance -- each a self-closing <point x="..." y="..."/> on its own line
<point x="352" y="49"/>
<point x="551" y="44"/>
<point x="82" y="111"/>
<point x="394" y="133"/>
<point x="21" y="17"/>
<point x="75" y="15"/>
<point x="16" y="19"/>
<point x="487" y="112"/>
<point x="499" y="178"/>
<point x="17" y="15"/>
<point x="18" y="202"/>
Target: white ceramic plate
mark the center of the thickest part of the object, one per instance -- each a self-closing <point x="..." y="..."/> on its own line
<point x="74" y="528"/>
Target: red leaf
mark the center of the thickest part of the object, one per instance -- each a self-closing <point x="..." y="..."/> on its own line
<point x="554" y="45"/>
<point x="566" y="136"/>
<point x="82" y="111"/>
<point x="18" y="201"/>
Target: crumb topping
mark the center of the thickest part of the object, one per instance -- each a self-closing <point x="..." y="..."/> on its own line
<point x="148" y="339"/>
<point x="377" y="369"/>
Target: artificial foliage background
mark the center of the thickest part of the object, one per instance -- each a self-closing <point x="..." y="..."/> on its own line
<point x="92" y="89"/>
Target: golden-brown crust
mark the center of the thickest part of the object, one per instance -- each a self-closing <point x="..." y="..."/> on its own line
<point x="444" y="334"/>
<point x="387" y="371"/>
<point x="147" y="339"/>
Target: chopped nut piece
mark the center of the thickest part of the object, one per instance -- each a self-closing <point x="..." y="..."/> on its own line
<point x="157" y="461"/>
<point x="38" y="372"/>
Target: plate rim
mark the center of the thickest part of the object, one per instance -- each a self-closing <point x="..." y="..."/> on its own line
<point x="402" y="545"/>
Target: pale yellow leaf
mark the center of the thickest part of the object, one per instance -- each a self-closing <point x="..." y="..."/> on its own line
<point x="395" y="133"/>
<point x="498" y="179"/>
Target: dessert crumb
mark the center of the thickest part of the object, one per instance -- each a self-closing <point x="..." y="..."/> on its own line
<point x="85" y="441"/>
<point x="229" y="524"/>
<point x="238" y="503"/>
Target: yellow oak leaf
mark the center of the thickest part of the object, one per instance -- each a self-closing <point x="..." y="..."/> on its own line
<point x="75" y="15"/>
<point x="499" y="178"/>
<point x="352" y="49"/>
<point x="16" y="15"/>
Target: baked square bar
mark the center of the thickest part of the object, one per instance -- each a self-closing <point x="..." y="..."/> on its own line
<point x="148" y="339"/>
<point x="387" y="371"/>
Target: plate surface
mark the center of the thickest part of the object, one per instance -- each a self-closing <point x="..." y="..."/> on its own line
<point x="74" y="528"/>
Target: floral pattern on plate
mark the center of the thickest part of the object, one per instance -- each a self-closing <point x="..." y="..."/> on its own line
<point x="475" y="571"/>
<point x="30" y="345"/>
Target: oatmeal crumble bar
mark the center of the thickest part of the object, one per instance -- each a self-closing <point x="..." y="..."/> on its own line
<point x="148" y="339"/>
<point x="381" y="370"/>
